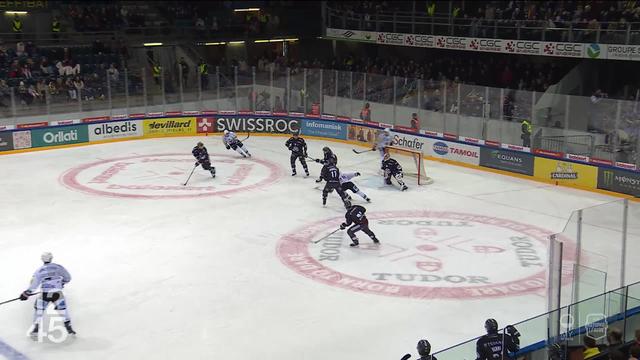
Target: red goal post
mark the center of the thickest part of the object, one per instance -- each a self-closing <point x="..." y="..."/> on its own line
<point x="412" y="162"/>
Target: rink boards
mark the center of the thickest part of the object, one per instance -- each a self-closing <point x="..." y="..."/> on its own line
<point x="551" y="167"/>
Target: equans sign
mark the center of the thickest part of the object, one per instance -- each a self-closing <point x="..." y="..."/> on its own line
<point x="115" y="130"/>
<point x="258" y="125"/>
<point x="59" y="135"/>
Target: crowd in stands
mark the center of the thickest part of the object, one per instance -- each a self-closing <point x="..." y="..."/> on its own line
<point x="58" y="74"/>
<point x="106" y="17"/>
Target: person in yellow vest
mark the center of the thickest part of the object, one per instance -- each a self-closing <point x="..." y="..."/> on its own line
<point x="203" y="70"/>
<point x="156" y="71"/>
<point x="590" y="347"/>
<point x="55" y="28"/>
<point x="16" y="27"/>
<point x="431" y="9"/>
<point x="456" y="12"/>
<point x="526" y="133"/>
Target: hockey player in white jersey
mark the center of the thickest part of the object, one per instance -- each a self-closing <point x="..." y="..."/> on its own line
<point x="384" y="139"/>
<point x="231" y="141"/>
<point x="346" y="184"/>
<point x="50" y="278"/>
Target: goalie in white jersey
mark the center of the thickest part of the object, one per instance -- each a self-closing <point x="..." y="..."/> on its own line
<point x="384" y="139"/>
<point x="346" y="184"/>
<point x="50" y="278"/>
<point x="231" y="141"/>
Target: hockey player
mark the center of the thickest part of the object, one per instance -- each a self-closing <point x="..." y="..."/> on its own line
<point x="384" y="139"/>
<point x="497" y="346"/>
<point x="329" y="158"/>
<point x="424" y="350"/>
<point x="346" y="184"/>
<point x="50" y="278"/>
<point x="355" y="215"/>
<point x="298" y="148"/>
<point x="393" y="168"/>
<point x="231" y="141"/>
<point x="331" y="175"/>
<point x="202" y="155"/>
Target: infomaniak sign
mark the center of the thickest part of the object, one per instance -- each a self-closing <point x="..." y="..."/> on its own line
<point x="330" y="129"/>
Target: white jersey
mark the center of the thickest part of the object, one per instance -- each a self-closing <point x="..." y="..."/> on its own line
<point x="230" y="138"/>
<point x="384" y="140"/>
<point x="345" y="177"/>
<point x="50" y="278"/>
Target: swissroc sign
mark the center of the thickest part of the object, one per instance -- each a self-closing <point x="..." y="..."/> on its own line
<point x="257" y="125"/>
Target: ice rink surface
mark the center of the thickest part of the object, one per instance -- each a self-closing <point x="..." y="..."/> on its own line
<point x="225" y="268"/>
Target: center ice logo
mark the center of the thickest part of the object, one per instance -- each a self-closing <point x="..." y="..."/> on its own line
<point x="160" y="176"/>
<point x="426" y="255"/>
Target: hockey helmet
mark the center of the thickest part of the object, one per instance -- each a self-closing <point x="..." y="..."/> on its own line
<point x="424" y="348"/>
<point x="46" y="257"/>
<point x="326" y="149"/>
<point x="387" y="130"/>
<point x="226" y="132"/>
<point x="386" y="156"/>
<point x="199" y="144"/>
<point x="296" y="133"/>
<point x="491" y="325"/>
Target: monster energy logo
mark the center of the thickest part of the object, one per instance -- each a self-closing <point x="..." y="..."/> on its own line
<point x="608" y="177"/>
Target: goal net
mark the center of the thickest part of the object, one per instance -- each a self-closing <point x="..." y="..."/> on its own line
<point x="412" y="162"/>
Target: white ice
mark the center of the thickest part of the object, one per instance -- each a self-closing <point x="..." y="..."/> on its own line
<point x="199" y="278"/>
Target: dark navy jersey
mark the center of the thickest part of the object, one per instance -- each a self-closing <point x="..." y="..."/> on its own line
<point x="391" y="166"/>
<point x="330" y="174"/>
<point x="297" y="145"/>
<point x="494" y="346"/>
<point x="355" y="215"/>
<point x="201" y="154"/>
<point x="329" y="158"/>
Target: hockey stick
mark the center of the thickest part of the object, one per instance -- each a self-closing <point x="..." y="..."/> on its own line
<point x="406" y="356"/>
<point x="326" y="236"/>
<point x="192" y="170"/>
<point x="363" y="151"/>
<point x="248" y="134"/>
<point x="18" y="298"/>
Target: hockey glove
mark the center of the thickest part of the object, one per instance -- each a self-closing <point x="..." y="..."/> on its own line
<point x="343" y="226"/>
<point x="24" y="296"/>
<point x="357" y="174"/>
<point x="197" y="164"/>
<point x="228" y="147"/>
<point x="318" y="180"/>
<point x="317" y="160"/>
<point x="511" y="330"/>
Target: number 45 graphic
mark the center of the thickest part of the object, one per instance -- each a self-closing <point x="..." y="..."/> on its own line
<point x="50" y="327"/>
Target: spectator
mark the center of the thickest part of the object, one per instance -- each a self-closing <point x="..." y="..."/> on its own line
<point x="614" y="338"/>
<point x="184" y="68"/>
<point x="203" y="72"/>
<point x="113" y="73"/>
<point x="20" y="49"/>
<point x="53" y="88"/>
<point x="277" y="107"/>
<point x="45" y="67"/>
<point x="365" y="113"/>
<point x="33" y="93"/>
<point x="415" y="122"/>
<point x="55" y="28"/>
<point x="617" y="355"/>
<point x="591" y="349"/>
<point x="23" y="94"/>
<point x="634" y="352"/>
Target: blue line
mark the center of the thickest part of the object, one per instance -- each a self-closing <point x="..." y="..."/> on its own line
<point x="11" y="353"/>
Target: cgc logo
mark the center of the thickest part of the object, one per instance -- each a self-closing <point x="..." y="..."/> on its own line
<point x="391" y="38"/>
<point x="427" y="255"/>
<point x="522" y="47"/>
